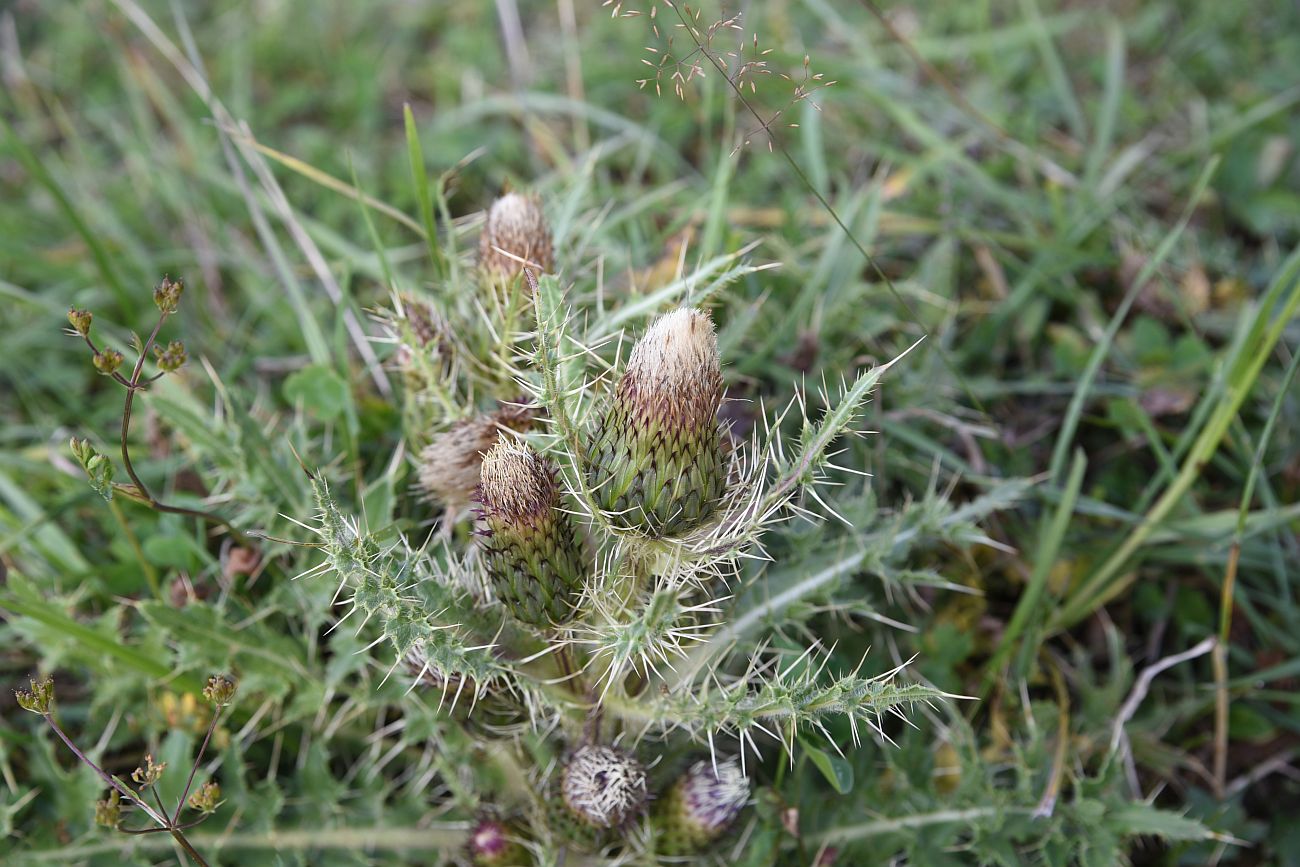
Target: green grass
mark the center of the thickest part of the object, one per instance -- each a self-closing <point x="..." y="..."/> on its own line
<point x="1087" y="215"/>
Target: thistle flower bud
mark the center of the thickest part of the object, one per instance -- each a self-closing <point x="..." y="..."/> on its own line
<point x="700" y="806"/>
<point x="449" y="466"/>
<point x="167" y="295"/>
<point x="657" y="459"/>
<point x="533" y="557"/>
<point x="604" y="787"/>
<point x="80" y="320"/>
<point x="491" y="844"/>
<point x="108" y="361"/>
<point x="515" y="225"/>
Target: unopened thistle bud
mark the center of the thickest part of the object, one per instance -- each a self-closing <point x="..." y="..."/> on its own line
<point x="80" y="320"/>
<point x="491" y="844"/>
<point x="700" y="806"/>
<point x="167" y="295"/>
<point x="449" y="466"/>
<point x="604" y="787"/>
<point x="657" y="459"/>
<point x="516" y="229"/>
<point x="108" y="361"/>
<point x="533" y="557"/>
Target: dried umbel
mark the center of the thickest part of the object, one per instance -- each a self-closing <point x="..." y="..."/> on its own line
<point x="516" y="229"/>
<point x="449" y="466"/>
<point x="604" y="787"/>
<point x="700" y="806"/>
<point x="657" y="459"/>
<point x="491" y="844"/>
<point x="532" y="554"/>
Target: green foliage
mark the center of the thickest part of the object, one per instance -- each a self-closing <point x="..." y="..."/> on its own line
<point x="1045" y="257"/>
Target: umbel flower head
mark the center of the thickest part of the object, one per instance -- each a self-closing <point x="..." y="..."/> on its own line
<point x="515" y="226"/>
<point x="657" y="458"/>
<point x="603" y="787"/>
<point x="449" y="466"/>
<point x="532" y="554"/>
<point x="700" y="806"/>
<point x="490" y="844"/>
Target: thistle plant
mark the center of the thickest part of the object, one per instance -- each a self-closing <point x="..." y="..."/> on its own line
<point x="590" y="616"/>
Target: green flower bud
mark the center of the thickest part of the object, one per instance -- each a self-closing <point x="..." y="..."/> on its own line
<point x="491" y="844"/>
<point x="515" y="226"/>
<point x="80" y="320"/>
<point x="108" y="361"/>
<point x="657" y="459"/>
<point x="699" y="807"/>
<point x="99" y="469"/>
<point x="206" y="799"/>
<point x="604" y="787"/>
<point x="532" y="554"/>
<point x="167" y="295"/>
<point x="172" y="357"/>
<point x="109" y="812"/>
<point x="40" y="698"/>
<point x="220" y="690"/>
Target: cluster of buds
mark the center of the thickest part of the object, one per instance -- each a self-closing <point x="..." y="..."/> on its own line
<point x="516" y="235"/>
<point x="170" y="358"/>
<point x="108" y="813"/>
<point x="149" y="774"/>
<point x="206" y="799"/>
<point x="449" y="466"/>
<point x="700" y="807"/>
<point x="167" y="295"/>
<point x="39" y="698"/>
<point x="491" y="844"/>
<point x="220" y="690"/>
<point x="657" y="460"/>
<point x="604" y="787"/>
<point x="533" y="557"/>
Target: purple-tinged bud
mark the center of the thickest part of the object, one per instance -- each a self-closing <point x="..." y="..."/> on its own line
<point x="533" y="557"/>
<point x="491" y="844"/>
<point x="700" y="806"/>
<point x="604" y="787"/>
<point x="657" y="460"/>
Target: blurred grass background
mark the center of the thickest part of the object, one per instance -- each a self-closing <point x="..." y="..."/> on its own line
<point x="1089" y="210"/>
